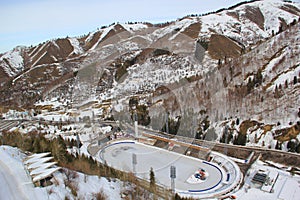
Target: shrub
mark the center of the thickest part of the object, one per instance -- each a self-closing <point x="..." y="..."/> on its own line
<point x="50" y="191"/>
<point x="152" y="180"/>
<point x="73" y="187"/>
<point x="100" y="195"/>
<point x="241" y="139"/>
<point x="159" y="52"/>
<point x="71" y="175"/>
<point x="67" y="198"/>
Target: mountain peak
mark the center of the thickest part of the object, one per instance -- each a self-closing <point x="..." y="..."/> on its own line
<point x="214" y="37"/>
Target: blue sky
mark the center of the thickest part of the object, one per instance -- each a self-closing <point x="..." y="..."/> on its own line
<point x="29" y="22"/>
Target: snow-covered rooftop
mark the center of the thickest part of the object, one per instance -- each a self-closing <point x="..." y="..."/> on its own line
<point x="39" y="166"/>
<point x="46" y="173"/>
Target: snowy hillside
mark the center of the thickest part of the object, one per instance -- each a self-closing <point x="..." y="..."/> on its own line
<point x="250" y="22"/>
<point x="246" y="24"/>
<point x="237" y="63"/>
<point x="21" y="186"/>
<point x="12" y="62"/>
<point x="230" y="76"/>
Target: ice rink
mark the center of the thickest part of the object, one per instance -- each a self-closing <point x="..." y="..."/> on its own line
<point x="120" y="156"/>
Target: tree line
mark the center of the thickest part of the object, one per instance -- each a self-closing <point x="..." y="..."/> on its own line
<point x="36" y="142"/>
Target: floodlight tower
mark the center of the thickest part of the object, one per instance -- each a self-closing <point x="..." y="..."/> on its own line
<point x="134" y="163"/>
<point x="173" y="176"/>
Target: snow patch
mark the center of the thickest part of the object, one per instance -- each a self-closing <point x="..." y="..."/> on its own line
<point x="77" y="48"/>
<point x="134" y="27"/>
<point x="15" y="62"/>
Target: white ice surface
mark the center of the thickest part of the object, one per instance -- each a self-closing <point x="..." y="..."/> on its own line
<point x="120" y="156"/>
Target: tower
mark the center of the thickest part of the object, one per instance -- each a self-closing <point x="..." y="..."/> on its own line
<point x="134" y="162"/>
<point x="173" y="176"/>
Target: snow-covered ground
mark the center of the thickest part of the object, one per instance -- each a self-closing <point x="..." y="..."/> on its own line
<point x="169" y="69"/>
<point x="16" y="184"/>
<point x="286" y="187"/>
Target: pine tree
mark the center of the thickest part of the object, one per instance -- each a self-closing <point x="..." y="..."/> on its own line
<point x="250" y="85"/>
<point x="276" y="92"/>
<point x="298" y="148"/>
<point x="36" y="145"/>
<point x="278" y="146"/>
<point x="291" y="145"/>
<point x="237" y="122"/>
<point x="259" y="77"/>
<point x="295" y="80"/>
<point x="241" y="139"/>
<point x="224" y="138"/>
<point x="286" y="85"/>
<point x="59" y="149"/>
<point x="152" y="180"/>
<point x="44" y="144"/>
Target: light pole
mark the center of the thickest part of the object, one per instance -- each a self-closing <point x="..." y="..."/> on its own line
<point x="173" y="176"/>
<point x="134" y="163"/>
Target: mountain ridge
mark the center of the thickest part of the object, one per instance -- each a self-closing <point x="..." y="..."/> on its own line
<point x="252" y="13"/>
<point x="233" y="65"/>
<point x="209" y="30"/>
